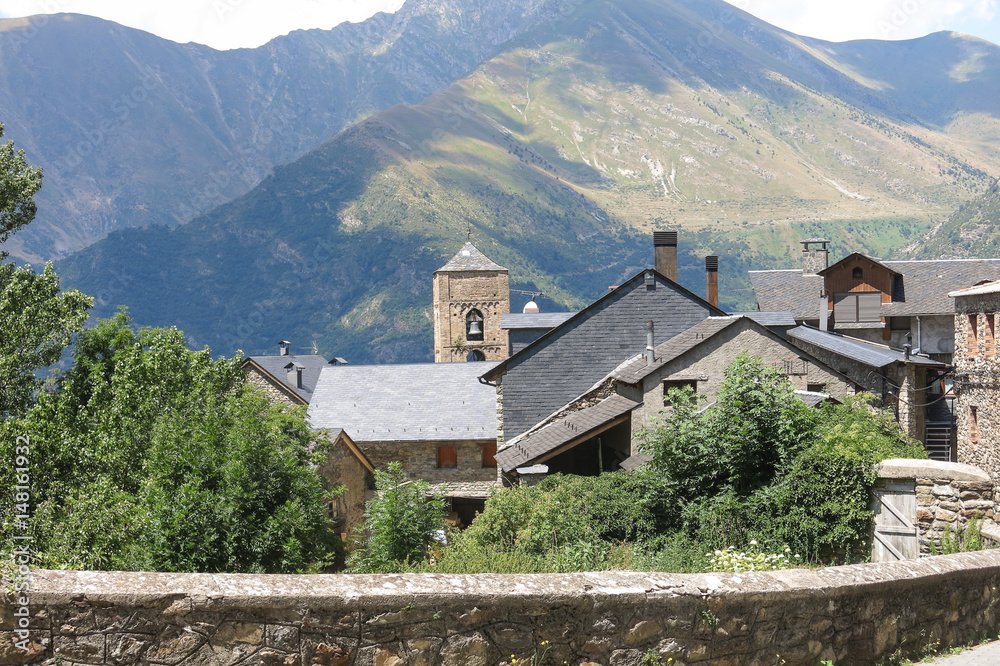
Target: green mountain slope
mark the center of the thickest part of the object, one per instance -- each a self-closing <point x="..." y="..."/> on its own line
<point x="133" y="130"/>
<point x="973" y="231"/>
<point x="562" y="152"/>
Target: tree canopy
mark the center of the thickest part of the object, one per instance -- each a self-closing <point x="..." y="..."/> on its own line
<point x="149" y="456"/>
<point x="19" y="183"/>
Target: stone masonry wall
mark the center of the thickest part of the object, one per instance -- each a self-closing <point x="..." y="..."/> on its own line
<point x="420" y="460"/>
<point x="268" y="386"/>
<point x="855" y="614"/>
<point x="950" y="505"/>
<point x="977" y="382"/>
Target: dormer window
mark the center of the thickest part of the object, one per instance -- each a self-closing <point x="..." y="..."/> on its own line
<point x="474" y="326"/>
<point x="857" y="273"/>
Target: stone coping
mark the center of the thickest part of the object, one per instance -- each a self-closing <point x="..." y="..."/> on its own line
<point x="904" y="468"/>
<point x="185" y="592"/>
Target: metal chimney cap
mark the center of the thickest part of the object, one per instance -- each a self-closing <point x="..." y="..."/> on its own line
<point x="712" y="263"/>
<point x="664" y="238"/>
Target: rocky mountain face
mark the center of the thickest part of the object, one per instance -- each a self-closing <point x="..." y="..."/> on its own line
<point x="135" y="130"/>
<point x="597" y="122"/>
<point x="973" y="231"/>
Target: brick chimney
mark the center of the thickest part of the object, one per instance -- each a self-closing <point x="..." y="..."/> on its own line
<point x="712" y="279"/>
<point x="665" y="253"/>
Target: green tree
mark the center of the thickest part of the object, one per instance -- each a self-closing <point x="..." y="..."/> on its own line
<point x="401" y="523"/>
<point x="147" y="455"/>
<point x="37" y="322"/>
<point x="18" y="185"/>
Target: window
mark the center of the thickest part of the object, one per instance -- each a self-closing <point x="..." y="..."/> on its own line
<point x="972" y="335"/>
<point x="681" y="384"/>
<point x="489" y="451"/>
<point x="816" y="387"/>
<point x="447" y="456"/>
<point x="989" y="336"/>
<point x="857" y="273"/>
<point x="475" y="355"/>
<point x="857" y="307"/>
<point x="474" y="326"/>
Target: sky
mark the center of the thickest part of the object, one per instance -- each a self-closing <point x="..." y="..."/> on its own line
<point x="226" y="24"/>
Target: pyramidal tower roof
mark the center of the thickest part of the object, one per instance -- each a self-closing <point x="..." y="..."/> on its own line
<point x="469" y="258"/>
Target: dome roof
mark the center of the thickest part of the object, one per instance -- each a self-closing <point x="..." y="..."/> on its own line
<point x="531" y="307"/>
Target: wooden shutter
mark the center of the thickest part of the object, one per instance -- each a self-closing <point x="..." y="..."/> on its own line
<point x="870" y="306"/>
<point x="447" y="456"/>
<point x="489" y="451"/>
<point x="895" y="512"/>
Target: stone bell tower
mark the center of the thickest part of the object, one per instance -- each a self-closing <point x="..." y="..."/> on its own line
<point x="471" y="292"/>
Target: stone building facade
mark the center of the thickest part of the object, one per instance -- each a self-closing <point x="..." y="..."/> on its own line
<point x="471" y="294"/>
<point x="275" y="390"/>
<point x="348" y="466"/>
<point x="977" y="377"/>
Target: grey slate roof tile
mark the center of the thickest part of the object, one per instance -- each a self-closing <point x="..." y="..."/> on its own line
<point x="922" y="289"/>
<point x="518" y="320"/>
<point x="787" y="290"/>
<point x="782" y="318"/>
<point x="569" y="359"/>
<point x="637" y="368"/>
<point x="577" y="425"/>
<point x="868" y="353"/>
<point x="312" y="365"/>
<point x="469" y="258"/>
<point x="411" y="403"/>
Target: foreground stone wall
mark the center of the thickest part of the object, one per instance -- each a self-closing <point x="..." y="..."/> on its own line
<point x="850" y="615"/>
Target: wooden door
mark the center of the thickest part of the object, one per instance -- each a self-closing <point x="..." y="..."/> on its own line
<point x="895" y="535"/>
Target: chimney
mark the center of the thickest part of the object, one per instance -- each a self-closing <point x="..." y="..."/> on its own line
<point x="712" y="279"/>
<point x="283" y="347"/>
<point x="297" y="369"/>
<point x="649" y="343"/>
<point x="824" y="310"/>
<point x="665" y="253"/>
<point x="815" y="255"/>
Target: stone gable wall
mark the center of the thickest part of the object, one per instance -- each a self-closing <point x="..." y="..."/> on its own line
<point x="268" y="386"/>
<point x="977" y="383"/>
<point x="855" y="614"/>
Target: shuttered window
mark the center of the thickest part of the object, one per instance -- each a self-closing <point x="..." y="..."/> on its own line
<point x="447" y="456"/>
<point x="857" y="307"/>
<point x="489" y="451"/>
<point x="972" y="335"/>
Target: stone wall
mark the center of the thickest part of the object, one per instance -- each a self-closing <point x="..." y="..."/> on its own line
<point x="274" y="391"/>
<point x="949" y="496"/>
<point x="420" y="459"/>
<point x="342" y="468"/>
<point x="977" y="381"/>
<point x="849" y="615"/>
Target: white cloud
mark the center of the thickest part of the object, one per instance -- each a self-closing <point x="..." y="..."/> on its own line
<point x="877" y="19"/>
<point x="222" y="24"/>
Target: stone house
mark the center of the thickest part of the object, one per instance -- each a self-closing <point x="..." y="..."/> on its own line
<point x="288" y="378"/>
<point x="348" y="466"/>
<point x="871" y="299"/>
<point x="602" y="429"/>
<point x="567" y="360"/>
<point x="437" y="419"/>
<point x="913" y="386"/>
<point x="977" y="376"/>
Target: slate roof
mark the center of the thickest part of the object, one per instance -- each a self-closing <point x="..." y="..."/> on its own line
<point x="469" y="258"/>
<point x="567" y="360"/>
<point x="406" y="403"/>
<point x="536" y="320"/>
<point x="312" y="365"/>
<point x="635" y="462"/>
<point x="782" y="318"/>
<point x="636" y="369"/>
<point x="992" y="287"/>
<point x="788" y="290"/>
<point x="926" y="284"/>
<point x="814" y="398"/>
<point x="868" y="353"/>
<point x="922" y="289"/>
<point x="576" y="426"/>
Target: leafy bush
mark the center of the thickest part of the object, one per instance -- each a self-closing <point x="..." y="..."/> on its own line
<point x="401" y="523"/>
<point x="737" y="561"/>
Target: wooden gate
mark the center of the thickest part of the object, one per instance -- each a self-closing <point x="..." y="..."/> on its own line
<point x="895" y="536"/>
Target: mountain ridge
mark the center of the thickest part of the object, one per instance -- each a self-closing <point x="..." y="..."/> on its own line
<point x="562" y="151"/>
